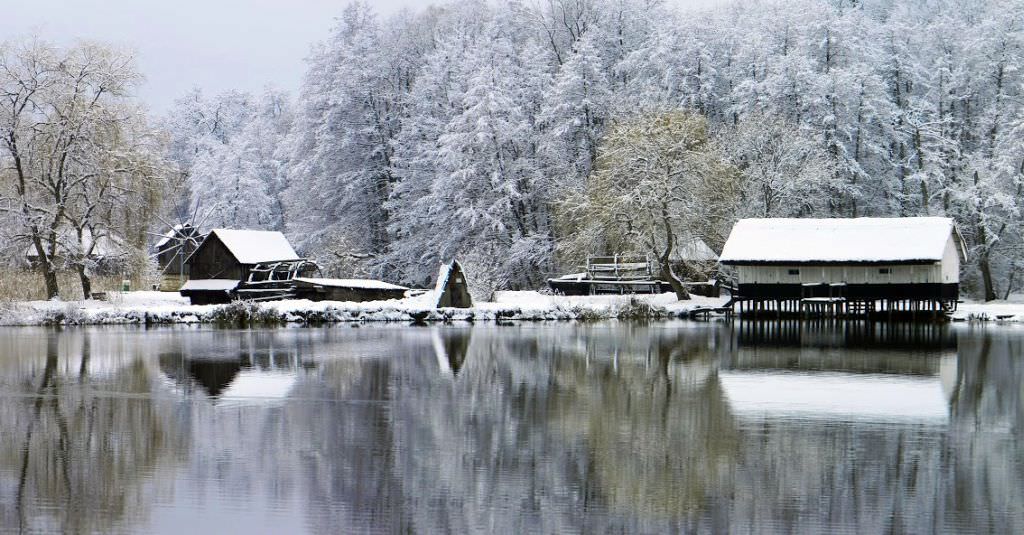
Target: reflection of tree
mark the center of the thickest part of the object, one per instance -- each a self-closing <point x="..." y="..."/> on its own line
<point x="348" y="464"/>
<point x="544" y="428"/>
<point x="659" y="432"/>
<point x="988" y="420"/>
<point x="547" y="426"/>
<point x="85" y="452"/>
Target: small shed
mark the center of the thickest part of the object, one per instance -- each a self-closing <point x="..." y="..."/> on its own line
<point x="232" y="254"/>
<point x="317" y="289"/>
<point x="451" y="288"/>
<point x="900" y="262"/>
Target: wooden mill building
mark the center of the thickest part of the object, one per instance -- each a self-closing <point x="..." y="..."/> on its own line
<point x="174" y="247"/>
<point x="232" y="254"/>
<point x="846" y="266"/>
<point x="229" y="263"/>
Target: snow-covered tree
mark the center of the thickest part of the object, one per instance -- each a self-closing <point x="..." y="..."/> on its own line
<point x="77" y="161"/>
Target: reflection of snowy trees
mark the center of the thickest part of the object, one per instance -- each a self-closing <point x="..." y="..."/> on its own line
<point x="528" y="428"/>
<point x="81" y="437"/>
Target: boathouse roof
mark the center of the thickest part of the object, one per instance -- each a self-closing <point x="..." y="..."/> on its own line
<point x="870" y="240"/>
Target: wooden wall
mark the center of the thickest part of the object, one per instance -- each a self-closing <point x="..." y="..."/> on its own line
<point x="213" y="260"/>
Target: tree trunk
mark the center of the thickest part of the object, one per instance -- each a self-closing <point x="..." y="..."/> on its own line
<point x="986" y="276"/>
<point x="83" y="275"/>
<point x="673" y="280"/>
<point x="663" y="259"/>
<point x="50" y="278"/>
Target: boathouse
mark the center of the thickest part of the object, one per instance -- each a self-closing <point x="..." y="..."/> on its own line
<point x="846" y="266"/>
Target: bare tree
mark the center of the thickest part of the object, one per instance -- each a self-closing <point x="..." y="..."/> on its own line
<point x="77" y="160"/>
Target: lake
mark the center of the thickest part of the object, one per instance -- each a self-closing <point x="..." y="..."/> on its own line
<point x="527" y="428"/>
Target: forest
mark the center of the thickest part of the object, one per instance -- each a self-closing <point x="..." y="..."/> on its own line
<point x="521" y="136"/>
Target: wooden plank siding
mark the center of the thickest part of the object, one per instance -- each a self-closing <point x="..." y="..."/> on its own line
<point x="213" y="260"/>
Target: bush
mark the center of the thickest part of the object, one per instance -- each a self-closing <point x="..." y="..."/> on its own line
<point x="245" y="314"/>
<point x="636" y="309"/>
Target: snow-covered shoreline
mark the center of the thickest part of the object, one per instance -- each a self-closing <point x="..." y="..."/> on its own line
<point x="151" y="308"/>
<point x="996" y="311"/>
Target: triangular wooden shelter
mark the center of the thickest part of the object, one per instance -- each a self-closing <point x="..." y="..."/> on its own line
<point x="451" y="289"/>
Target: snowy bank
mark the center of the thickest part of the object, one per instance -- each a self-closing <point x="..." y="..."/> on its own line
<point x="1010" y="311"/>
<point x="150" y="308"/>
<point x="164" y="308"/>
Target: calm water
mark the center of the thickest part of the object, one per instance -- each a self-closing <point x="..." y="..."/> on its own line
<point x="544" y="428"/>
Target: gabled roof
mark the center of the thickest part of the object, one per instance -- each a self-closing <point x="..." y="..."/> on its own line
<point x="254" y="246"/>
<point x="870" y="240"/>
<point x="693" y="249"/>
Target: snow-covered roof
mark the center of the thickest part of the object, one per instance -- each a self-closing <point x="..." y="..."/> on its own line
<point x="858" y="240"/>
<point x="255" y="246"/>
<point x="693" y="249"/>
<point x="177" y="231"/>
<point x="210" y="284"/>
<point x="167" y="236"/>
<point x="367" y="284"/>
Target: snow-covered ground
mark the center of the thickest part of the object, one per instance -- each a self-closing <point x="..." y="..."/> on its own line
<point x="165" y="307"/>
<point x="1010" y="310"/>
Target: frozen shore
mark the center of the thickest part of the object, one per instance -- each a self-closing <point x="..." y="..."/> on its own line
<point x="150" y="308"/>
<point x="1011" y="311"/>
<point x="167" y="308"/>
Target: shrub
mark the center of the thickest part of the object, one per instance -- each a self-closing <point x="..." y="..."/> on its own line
<point x="245" y="314"/>
<point x="636" y="309"/>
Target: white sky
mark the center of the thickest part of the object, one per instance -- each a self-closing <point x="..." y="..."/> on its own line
<point x="212" y="44"/>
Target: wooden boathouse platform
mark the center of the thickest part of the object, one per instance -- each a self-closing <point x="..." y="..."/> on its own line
<point x="902" y="268"/>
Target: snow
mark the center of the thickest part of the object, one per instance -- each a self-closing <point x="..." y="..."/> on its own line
<point x="166" y="307"/>
<point x="573" y="277"/>
<point x="368" y="284"/>
<point x="167" y="236"/>
<point x="442" y="278"/>
<point x="256" y="246"/>
<point x="866" y="239"/>
<point x="210" y="284"/>
<point x="1001" y="311"/>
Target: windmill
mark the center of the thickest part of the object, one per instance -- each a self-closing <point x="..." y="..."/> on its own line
<point x="174" y="245"/>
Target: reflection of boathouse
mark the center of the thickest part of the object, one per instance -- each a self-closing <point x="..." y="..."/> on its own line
<point x="862" y="266"/>
<point x="861" y="371"/>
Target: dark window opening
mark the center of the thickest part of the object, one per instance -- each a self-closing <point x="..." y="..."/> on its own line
<point x="883" y="271"/>
<point x="794" y="272"/>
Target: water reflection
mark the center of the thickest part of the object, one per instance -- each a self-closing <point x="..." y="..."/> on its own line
<point x="841" y="371"/>
<point x="620" y="427"/>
